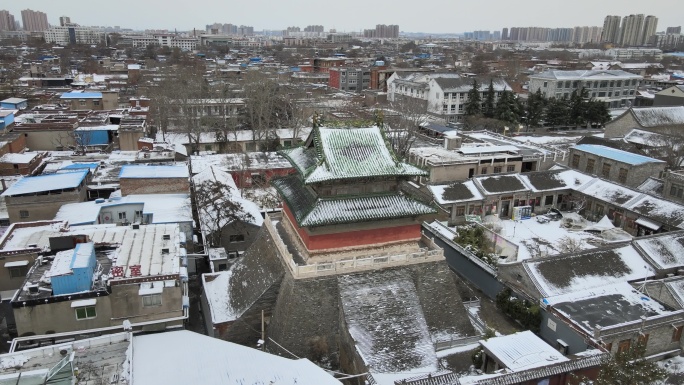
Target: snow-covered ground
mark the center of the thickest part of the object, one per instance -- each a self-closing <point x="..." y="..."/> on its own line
<point x="675" y="370"/>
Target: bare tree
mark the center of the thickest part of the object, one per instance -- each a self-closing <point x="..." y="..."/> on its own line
<point x="217" y="210"/>
<point x="261" y="102"/>
<point x="569" y="245"/>
<point x="402" y="131"/>
<point x="670" y="147"/>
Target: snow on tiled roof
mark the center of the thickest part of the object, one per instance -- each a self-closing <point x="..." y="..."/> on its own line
<point x="34" y="184"/>
<point x="645" y="137"/>
<point x="139" y="171"/>
<point x="658" y="209"/>
<point x="522" y="350"/>
<point x="215" y="362"/>
<point x="563" y="274"/>
<point x="348" y="154"/>
<point x="608" y="191"/>
<point x="615" y="154"/>
<point x="310" y="210"/>
<point x="393" y="336"/>
<point x="500" y="184"/>
<point x="658" y="116"/>
<point x="457" y="192"/>
<point x="664" y="250"/>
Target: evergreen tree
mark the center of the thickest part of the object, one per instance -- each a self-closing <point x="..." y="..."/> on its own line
<point x="507" y="108"/>
<point x="577" y="106"/>
<point x="597" y="112"/>
<point x="474" y="104"/>
<point x="557" y="112"/>
<point x="534" y="109"/>
<point x="630" y="368"/>
<point x="488" y="107"/>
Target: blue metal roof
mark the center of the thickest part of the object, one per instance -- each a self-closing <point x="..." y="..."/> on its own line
<point x="618" y="155"/>
<point x="81" y="95"/>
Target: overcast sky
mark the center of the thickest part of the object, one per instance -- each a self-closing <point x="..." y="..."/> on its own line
<point x="442" y="16"/>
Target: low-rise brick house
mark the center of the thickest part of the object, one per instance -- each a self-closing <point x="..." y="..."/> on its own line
<point x="150" y="179"/>
<point x="615" y="165"/>
<point x="21" y="164"/>
<point x="653" y="119"/>
<point x="673" y="187"/>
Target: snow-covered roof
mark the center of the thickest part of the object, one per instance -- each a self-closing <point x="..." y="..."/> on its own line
<point x="664" y="250"/>
<point x="522" y="350"/>
<point x="501" y="184"/>
<point x="147" y="248"/>
<point x="606" y="306"/>
<point x="164" y="208"/>
<point x="192" y="358"/>
<point x="455" y="193"/>
<point x="35" y="184"/>
<point x="394" y="336"/>
<point x="564" y="274"/>
<point x="645" y="137"/>
<point x="585" y="75"/>
<point x="554" y="180"/>
<point x="218" y="296"/>
<point x="241" y="161"/>
<point x="13" y="100"/>
<point x="311" y="210"/>
<point x="26" y="157"/>
<point x="615" y="154"/>
<point x="658" y="116"/>
<point x="337" y="154"/>
<point x="145" y="171"/>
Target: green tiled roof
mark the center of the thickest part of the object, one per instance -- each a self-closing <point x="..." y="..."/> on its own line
<point x="310" y="210"/>
<point x="337" y="154"/>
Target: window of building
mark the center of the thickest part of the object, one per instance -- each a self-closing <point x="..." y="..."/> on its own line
<point x="138" y="213"/>
<point x="152" y="300"/>
<point x="546" y="84"/>
<point x="460" y="211"/>
<point x="122" y="215"/>
<point x="82" y="102"/>
<point x="23" y="213"/>
<point x="222" y="266"/>
<point x="623" y="346"/>
<point x="510" y="168"/>
<point x="96" y="102"/>
<point x="643" y="339"/>
<point x="17" y="271"/>
<point x="497" y="169"/>
<point x="559" y="85"/>
<point x="86" y="312"/>
<point x="236" y="238"/>
<point x="599" y="210"/>
<point x="605" y="171"/>
<point x="676" y="190"/>
<point x="590" y="166"/>
<point x="622" y="175"/>
<point x="575" y="161"/>
<point x="207" y="147"/>
<point x="258" y="179"/>
<point x="677" y="333"/>
<point x="548" y="200"/>
<point x="483" y="170"/>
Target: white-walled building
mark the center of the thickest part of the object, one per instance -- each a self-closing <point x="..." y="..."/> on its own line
<point x="444" y="94"/>
<point x="65" y="35"/>
<point x="615" y="88"/>
<point x="165" y="40"/>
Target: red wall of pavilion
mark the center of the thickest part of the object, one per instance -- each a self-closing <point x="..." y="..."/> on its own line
<point x="354" y="238"/>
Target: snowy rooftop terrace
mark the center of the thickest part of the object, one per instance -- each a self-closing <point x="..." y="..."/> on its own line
<point x="104" y="357"/>
<point x="523" y="350"/>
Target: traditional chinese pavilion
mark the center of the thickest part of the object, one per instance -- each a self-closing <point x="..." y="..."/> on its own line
<point x="346" y="192"/>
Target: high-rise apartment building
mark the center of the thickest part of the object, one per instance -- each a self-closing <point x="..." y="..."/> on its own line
<point x="504" y="34"/>
<point x="34" y="20"/>
<point x="673" y="30"/>
<point x="650" y="26"/>
<point x="382" y="31"/>
<point x="7" y="22"/>
<point x="314" y="28"/>
<point x="64" y="21"/>
<point x="611" y="29"/>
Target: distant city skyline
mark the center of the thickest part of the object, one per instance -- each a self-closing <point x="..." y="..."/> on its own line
<point x="431" y="16"/>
